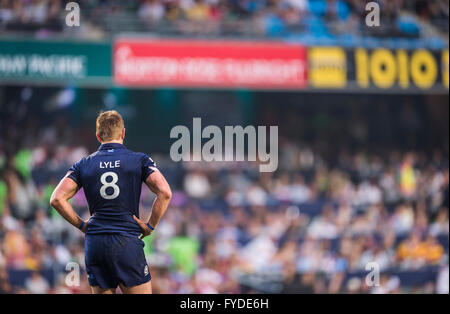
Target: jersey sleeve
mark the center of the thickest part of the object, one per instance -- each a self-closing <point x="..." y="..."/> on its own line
<point x="75" y="173"/>
<point x="148" y="167"/>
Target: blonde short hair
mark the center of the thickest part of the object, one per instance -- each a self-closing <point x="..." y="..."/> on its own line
<point x="109" y="126"/>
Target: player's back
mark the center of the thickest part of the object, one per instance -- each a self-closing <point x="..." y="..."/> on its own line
<point x="112" y="180"/>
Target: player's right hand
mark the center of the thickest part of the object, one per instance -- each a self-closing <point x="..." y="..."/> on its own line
<point x="146" y="231"/>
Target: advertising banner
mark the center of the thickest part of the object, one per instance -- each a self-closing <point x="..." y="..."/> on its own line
<point x="259" y="65"/>
<point x="399" y="70"/>
<point x="55" y="62"/>
<point x="327" y="67"/>
<point x="222" y="64"/>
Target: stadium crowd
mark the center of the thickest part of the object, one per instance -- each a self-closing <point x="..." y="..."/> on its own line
<point x="318" y="18"/>
<point x="312" y="226"/>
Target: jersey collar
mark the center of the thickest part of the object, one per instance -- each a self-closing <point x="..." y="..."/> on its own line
<point x="109" y="146"/>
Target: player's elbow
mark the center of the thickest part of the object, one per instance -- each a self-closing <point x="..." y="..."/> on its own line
<point x="55" y="201"/>
<point x="165" y="193"/>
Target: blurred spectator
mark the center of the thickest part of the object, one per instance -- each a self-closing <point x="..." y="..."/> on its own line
<point x="37" y="284"/>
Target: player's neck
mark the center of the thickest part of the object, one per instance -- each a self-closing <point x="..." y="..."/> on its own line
<point x="113" y="142"/>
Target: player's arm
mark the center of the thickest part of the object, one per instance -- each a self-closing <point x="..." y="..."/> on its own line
<point x="59" y="200"/>
<point x="158" y="185"/>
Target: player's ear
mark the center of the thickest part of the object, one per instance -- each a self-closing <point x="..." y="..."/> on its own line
<point x="123" y="134"/>
<point x="98" y="137"/>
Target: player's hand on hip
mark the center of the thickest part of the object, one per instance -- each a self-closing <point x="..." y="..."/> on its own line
<point x="146" y="231"/>
<point x="83" y="226"/>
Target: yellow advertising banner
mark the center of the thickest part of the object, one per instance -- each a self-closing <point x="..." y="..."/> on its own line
<point x="327" y="67"/>
<point x="378" y="69"/>
<point x="403" y="69"/>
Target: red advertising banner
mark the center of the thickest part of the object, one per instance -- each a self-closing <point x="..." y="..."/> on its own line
<point x="194" y="63"/>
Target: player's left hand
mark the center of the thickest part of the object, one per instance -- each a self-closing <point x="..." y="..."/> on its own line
<point x="146" y="231"/>
<point x="85" y="226"/>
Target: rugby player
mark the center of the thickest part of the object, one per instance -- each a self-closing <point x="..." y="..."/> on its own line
<point x="111" y="179"/>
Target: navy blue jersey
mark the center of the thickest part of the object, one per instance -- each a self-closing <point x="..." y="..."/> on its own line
<point x="112" y="180"/>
